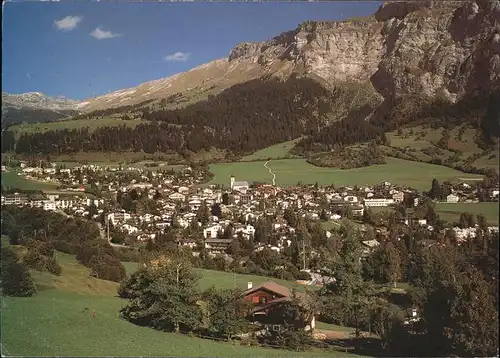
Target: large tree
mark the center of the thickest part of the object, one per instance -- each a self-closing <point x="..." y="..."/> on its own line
<point x="226" y="310"/>
<point x="349" y="297"/>
<point x="435" y="192"/>
<point x="15" y="279"/>
<point x="164" y="295"/>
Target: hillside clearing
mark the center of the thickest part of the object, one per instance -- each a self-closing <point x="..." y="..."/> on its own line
<point x="92" y="124"/>
<point x="231" y="280"/>
<point x="451" y="211"/>
<point x="56" y="321"/>
<point x="280" y="150"/>
<point x="421" y="142"/>
<point x="291" y="171"/>
<point x="11" y="179"/>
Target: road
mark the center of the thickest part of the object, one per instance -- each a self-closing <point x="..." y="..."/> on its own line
<point x="270" y="172"/>
<point x="102" y="233"/>
<point x="104" y="236"/>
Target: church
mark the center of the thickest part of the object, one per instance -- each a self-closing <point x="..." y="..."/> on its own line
<point x="241" y="186"/>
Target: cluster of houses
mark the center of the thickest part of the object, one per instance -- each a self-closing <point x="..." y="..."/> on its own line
<point x="240" y="203"/>
<point x="53" y="202"/>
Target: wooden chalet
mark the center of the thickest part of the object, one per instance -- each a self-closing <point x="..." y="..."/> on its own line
<point x="267" y="300"/>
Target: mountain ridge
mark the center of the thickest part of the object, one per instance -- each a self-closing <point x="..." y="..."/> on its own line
<point x="36" y="107"/>
<point x="436" y="49"/>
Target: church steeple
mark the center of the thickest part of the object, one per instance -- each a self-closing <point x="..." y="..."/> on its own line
<point x="232" y="181"/>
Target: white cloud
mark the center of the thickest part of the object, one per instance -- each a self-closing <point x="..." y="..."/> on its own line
<point x="68" y="23"/>
<point x="101" y="34"/>
<point x="178" y="57"/>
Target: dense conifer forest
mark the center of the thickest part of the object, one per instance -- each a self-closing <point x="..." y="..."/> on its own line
<point x="257" y="114"/>
<point x="481" y="111"/>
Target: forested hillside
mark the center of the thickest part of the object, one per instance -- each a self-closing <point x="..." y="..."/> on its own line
<point x="241" y="119"/>
<point x="480" y="111"/>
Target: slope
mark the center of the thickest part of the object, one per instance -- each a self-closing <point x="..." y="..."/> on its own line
<point x="57" y="322"/>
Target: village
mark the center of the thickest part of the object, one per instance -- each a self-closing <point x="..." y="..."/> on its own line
<point x="140" y="203"/>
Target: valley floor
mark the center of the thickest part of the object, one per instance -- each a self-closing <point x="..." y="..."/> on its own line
<point x="291" y="171"/>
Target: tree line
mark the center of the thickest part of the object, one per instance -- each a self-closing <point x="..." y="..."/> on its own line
<point x="42" y="232"/>
<point x="241" y="119"/>
<point x="450" y="286"/>
<point x="480" y="110"/>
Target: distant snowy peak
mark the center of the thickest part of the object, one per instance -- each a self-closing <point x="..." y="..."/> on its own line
<point x="37" y="100"/>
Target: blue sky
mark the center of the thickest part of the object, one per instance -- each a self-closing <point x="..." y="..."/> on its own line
<point x="79" y="50"/>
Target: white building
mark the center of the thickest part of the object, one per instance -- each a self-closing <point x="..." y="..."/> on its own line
<point x="130" y="229"/>
<point x="452" y="198"/>
<point x="212" y="231"/>
<point x="119" y="217"/>
<point x="247" y="231"/>
<point x="379" y="202"/>
<point x="64" y="204"/>
<point x="177" y="197"/>
<point x="49" y="205"/>
<point x="241" y="186"/>
<point x="15" y="199"/>
<point x="398" y="197"/>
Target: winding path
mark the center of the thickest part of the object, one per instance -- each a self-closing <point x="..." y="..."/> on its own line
<point x="270" y="172"/>
<point x="102" y="233"/>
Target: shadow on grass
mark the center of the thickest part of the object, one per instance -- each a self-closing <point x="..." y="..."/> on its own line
<point x="44" y="287"/>
<point x="364" y="346"/>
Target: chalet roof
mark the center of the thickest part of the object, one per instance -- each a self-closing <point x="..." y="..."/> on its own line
<point x="240" y="183"/>
<point x="218" y="241"/>
<point x="270" y="286"/>
<point x="267" y="305"/>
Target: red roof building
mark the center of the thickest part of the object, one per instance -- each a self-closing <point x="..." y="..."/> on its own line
<point x="267" y="302"/>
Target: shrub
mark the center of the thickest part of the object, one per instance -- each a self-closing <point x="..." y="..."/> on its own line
<point x="67" y="247"/>
<point x="107" y="267"/>
<point x="53" y="266"/>
<point x="302" y="275"/>
<point x="127" y="255"/>
<point x="15" y="279"/>
<point x="33" y="259"/>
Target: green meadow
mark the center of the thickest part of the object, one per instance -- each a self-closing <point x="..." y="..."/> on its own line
<point x="229" y="280"/>
<point x="291" y="171"/>
<point x="280" y="150"/>
<point x="451" y="211"/>
<point x="11" y="179"/>
<point x="56" y="321"/>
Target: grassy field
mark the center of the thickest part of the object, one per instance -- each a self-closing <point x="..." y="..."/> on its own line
<point x="451" y="212"/>
<point x="221" y="279"/>
<point x="73" y="124"/>
<point x="12" y="180"/>
<point x="290" y="171"/>
<point x="54" y="322"/>
<point x="280" y="150"/>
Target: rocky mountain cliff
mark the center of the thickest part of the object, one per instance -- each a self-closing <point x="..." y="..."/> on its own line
<point x="36" y="107"/>
<point x="37" y="100"/>
<point x="439" y="49"/>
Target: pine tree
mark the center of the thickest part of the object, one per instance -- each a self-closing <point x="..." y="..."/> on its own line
<point x="164" y="295"/>
<point x="435" y="192"/>
<point x="226" y="312"/>
<point x="15" y="279"/>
